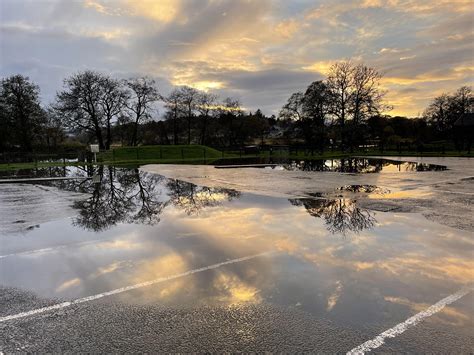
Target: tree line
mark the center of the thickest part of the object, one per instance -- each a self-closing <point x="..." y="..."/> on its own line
<point x="347" y="109"/>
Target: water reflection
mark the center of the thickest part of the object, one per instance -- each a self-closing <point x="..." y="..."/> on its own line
<point x="340" y="215"/>
<point x="131" y="196"/>
<point x="50" y="171"/>
<point x="122" y="197"/>
<point x="192" y="198"/>
<point x="393" y="268"/>
<point x="344" y="165"/>
<point x="368" y="189"/>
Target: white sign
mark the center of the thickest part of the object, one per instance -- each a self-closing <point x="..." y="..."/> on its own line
<point x="95" y="148"/>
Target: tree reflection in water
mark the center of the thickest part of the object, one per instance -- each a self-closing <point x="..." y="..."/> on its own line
<point x="340" y="215"/>
<point x="131" y="196"/>
<point x="192" y="198"/>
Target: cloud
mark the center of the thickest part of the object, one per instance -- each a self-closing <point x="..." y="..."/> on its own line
<point x="260" y="51"/>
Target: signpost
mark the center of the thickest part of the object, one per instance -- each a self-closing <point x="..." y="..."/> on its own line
<point x="95" y="149"/>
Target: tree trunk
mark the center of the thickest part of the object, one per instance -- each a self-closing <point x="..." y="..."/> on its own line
<point x="135" y="134"/>
<point x="98" y="134"/>
<point x="189" y="130"/>
<point x="175" y="129"/>
<point x="109" y="137"/>
<point x="203" y="131"/>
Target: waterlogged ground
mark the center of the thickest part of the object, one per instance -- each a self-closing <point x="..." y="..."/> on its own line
<point x="279" y="258"/>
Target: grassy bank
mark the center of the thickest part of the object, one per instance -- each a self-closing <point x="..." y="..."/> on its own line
<point x="198" y="154"/>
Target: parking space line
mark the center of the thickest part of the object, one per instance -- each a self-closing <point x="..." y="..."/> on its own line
<point x="129" y="288"/>
<point x="410" y="322"/>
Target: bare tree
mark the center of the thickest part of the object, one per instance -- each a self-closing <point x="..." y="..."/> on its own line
<point x="52" y="130"/>
<point x="438" y="112"/>
<point x="142" y="95"/>
<point x="189" y="100"/>
<point x="294" y="108"/>
<point x="172" y="103"/>
<point x="229" y="110"/>
<point x="356" y="94"/>
<point x="112" y="102"/>
<point x="366" y="97"/>
<point x="462" y="101"/>
<point x="340" y="81"/>
<point x="80" y="103"/>
<point x="206" y="106"/>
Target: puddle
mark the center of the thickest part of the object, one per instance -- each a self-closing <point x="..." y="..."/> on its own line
<point x="368" y="189"/>
<point x="331" y="257"/>
<point x="48" y="172"/>
<point x="346" y="165"/>
<point x="340" y="215"/>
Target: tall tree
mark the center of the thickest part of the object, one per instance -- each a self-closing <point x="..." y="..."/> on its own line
<point x="229" y="111"/>
<point x="462" y="101"/>
<point x="112" y="102"/>
<point x="317" y="103"/>
<point x="143" y="93"/>
<point x="294" y="107"/>
<point x="52" y="132"/>
<point x="340" y="81"/>
<point x="80" y="103"/>
<point x="189" y="100"/>
<point x="172" y="103"/>
<point x="22" y="114"/>
<point x="356" y="96"/>
<point x="366" y="94"/>
<point x="438" y="112"/>
<point x="206" y="105"/>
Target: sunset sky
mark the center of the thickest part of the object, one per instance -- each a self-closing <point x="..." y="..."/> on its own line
<point x="258" y="51"/>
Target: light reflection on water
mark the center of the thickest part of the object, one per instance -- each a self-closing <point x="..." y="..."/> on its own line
<point x="343" y="165"/>
<point x="334" y="258"/>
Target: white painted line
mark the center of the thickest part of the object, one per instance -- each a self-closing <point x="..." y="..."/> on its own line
<point x="410" y="322"/>
<point x="128" y="288"/>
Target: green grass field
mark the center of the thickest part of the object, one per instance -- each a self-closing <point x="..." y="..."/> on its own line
<point x="159" y="153"/>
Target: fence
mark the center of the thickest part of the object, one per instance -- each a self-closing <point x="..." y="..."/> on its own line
<point x="22" y="157"/>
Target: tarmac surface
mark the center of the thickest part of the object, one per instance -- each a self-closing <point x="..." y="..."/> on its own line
<point x="260" y="259"/>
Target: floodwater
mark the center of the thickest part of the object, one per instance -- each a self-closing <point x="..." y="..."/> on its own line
<point x="324" y="254"/>
<point x="345" y="165"/>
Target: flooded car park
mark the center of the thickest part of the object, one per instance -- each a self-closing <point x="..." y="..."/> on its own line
<point x="194" y="258"/>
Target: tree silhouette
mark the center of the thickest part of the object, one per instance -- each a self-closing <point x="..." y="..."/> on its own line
<point x="340" y="215"/>
<point x="21" y="115"/>
<point x="132" y="196"/>
<point x="192" y="198"/>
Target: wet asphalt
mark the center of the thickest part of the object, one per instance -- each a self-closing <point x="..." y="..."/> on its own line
<point x="123" y="325"/>
<point x="112" y="326"/>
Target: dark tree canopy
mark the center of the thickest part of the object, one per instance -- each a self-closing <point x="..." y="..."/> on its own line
<point x="21" y="115"/>
<point x="80" y="103"/>
<point x="142" y="94"/>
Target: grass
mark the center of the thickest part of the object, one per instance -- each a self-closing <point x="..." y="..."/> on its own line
<point x="160" y="153"/>
<point x="198" y="154"/>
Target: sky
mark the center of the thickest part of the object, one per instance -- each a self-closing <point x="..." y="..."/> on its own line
<point x="257" y="51"/>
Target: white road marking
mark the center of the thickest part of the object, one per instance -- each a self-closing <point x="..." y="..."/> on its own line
<point x="128" y="288"/>
<point x="410" y="322"/>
